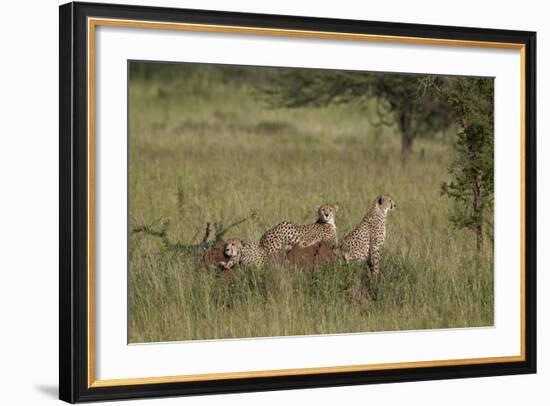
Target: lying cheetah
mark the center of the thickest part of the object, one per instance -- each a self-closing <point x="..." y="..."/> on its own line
<point x="284" y="235"/>
<point x="242" y="253"/>
<point x="366" y="240"/>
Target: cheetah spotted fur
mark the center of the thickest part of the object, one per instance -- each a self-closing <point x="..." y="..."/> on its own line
<point x="367" y="239"/>
<point x="242" y="253"/>
<point x="284" y="235"/>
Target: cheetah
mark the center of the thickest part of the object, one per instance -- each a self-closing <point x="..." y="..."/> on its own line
<point x="366" y="240"/>
<point x="284" y="235"/>
<point x="242" y="253"/>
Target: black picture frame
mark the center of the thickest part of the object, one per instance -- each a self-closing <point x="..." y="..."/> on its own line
<point x="73" y="284"/>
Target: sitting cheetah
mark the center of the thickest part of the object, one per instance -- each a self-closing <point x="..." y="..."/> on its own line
<point x="242" y="253"/>
<point x="284" y="235"/>
<point x="366" y="240"/>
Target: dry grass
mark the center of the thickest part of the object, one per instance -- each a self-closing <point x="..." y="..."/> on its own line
<point x="203" y="150"/>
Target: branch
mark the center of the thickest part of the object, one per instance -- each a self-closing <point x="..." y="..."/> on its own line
<point x="206" y="233"/>
<point x="220" y="231"/>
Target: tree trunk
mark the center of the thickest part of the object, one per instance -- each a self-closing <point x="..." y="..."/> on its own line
<point x="479" y="237"/>
<point x="476" y="206"/>
<point x="406" y="148"/>
<point x="407" y="136"/>
<point x="478" y="228"/>
<point x="475" y="189"/>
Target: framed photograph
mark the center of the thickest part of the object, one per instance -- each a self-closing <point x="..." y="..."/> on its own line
<point x="257" y="202"/>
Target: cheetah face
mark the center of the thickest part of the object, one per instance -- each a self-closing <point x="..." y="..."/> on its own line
<point x="385" y="203"/>
<point x="327" y="213"/>
<point x="232" y="247"/>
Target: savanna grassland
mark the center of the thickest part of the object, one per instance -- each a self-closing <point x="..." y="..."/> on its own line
<point x="203" y="147"/>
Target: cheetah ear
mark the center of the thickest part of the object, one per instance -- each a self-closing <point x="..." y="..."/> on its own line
<point x="380" y="199"/>
<point x="336" y="208"/>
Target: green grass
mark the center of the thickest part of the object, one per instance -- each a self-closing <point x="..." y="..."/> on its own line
<point x="208" y="151"/>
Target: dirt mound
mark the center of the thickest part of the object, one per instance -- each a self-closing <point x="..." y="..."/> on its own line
<point x="214" y="255"/>
<point x="309" y="257"/>
<point x="303" y="258"/>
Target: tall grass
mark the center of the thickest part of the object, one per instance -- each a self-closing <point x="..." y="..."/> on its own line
<point x="204" y="149"/>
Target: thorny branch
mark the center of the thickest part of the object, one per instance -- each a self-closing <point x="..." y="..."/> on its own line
<point x="162" y="232"/>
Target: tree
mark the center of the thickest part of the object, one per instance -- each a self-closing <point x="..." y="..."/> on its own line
<point x="405" y="101"/>
<point x="472" y="184"/>
<point x="411" y="105"/>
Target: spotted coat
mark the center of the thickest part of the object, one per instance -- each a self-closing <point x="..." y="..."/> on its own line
<point x="284" y="235"/>
<point x="367" y="239"/>
<point x="243" y="253"/>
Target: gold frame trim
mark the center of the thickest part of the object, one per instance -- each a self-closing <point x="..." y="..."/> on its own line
<point x="94" y="22"/>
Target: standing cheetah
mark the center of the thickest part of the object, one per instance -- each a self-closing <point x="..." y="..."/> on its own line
<point x="366" y="240"/>
<point x="242" y="253"/>
<point x="284" y="235"/>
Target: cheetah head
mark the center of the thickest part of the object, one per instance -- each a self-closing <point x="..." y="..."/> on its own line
<point x="385" y="203"/>
<point x="232" y="247"/>
<point x="326" y="214"/>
